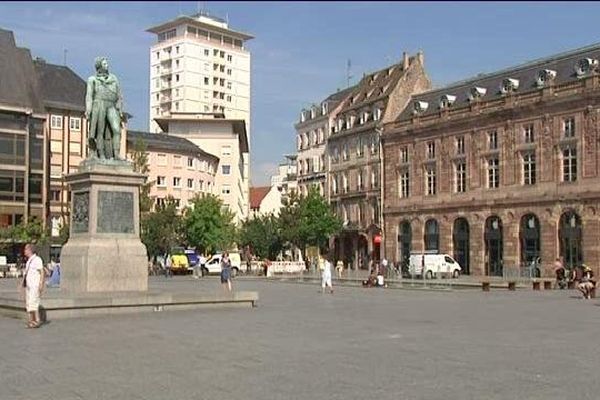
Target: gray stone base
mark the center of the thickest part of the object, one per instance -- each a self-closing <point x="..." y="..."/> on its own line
<point x="104" y="264"/>
<point x="60" y="305"/>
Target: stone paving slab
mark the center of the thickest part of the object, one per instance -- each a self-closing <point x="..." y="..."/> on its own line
<point x="300" y="344"/>
<point x="57" y="304"/>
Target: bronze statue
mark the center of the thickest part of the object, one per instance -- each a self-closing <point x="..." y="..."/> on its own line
<point x="103" y="112"/>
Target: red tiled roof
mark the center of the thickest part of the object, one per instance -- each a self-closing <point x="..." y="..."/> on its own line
<point x="257" y="194"/>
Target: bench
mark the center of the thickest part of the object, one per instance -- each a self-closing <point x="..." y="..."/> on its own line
<point x="512" y="285"/>
<point x="485" y="286"/>
<point x="549" y="283"/>
<point x="536" y="285"/>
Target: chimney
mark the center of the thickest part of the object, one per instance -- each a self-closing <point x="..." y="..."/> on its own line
<point x="405" y="61"/>
<point x="421" y="57"/>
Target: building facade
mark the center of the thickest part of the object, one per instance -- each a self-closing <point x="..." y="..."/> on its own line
<point x="312" y="131"/>
<point x="23" y="161"/>
<point x="499" y="170"/>
<point x="199" y="65"/>
<point x="177" y="167"/>
<point x="226" y="139"/>
<point x="353" y="149"/>
<point x="63" y="94"/>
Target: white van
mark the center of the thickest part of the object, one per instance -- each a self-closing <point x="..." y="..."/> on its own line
<point x="213" y="265"/>
<point x="433" y="265"/>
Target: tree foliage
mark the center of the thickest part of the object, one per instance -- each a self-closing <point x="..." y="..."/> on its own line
<point x="208" y="224"/>
<point x="263" y="235"/>
<point x="140" y="165"/>
<point x="31" y="231"/>
<point x="317" y="222"/>
<point x="161" y="229"/>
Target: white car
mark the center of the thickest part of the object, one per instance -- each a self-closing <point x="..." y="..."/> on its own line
<point x="213" y="265"/>
<point x="433" y="265"/>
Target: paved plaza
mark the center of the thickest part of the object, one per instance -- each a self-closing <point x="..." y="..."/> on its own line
<point x="299" y="344"/>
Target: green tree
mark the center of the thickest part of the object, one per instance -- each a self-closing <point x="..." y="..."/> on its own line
<point x="140" y="165"/>
<point x="317" y="221"/>
<point x="289" y="215"/>
<point x="208" y="225"/>
<point x="263" y="235"/>
<point x="161" y="229"/>
<point x="31" y="231"/>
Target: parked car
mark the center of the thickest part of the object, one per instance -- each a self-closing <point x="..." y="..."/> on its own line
<point x="179" y="260"/>
<point x="213" y="265"/>
<point x="193" y="259"/>
<point x="433" y="265"/>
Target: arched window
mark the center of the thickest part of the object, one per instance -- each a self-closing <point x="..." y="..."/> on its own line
<point x="460" y="239"/>
<point x="569" y="234"/>
<point x="530" y="238"/>
<point x="432" y="235"/>
<point x="493" y="246"/>
<point x="404" y="241"/>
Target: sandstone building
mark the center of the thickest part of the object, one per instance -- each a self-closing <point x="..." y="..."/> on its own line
<point x="500" y="169"/>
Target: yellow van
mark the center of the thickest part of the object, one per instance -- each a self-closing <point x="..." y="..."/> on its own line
<point x="179" y="261"/>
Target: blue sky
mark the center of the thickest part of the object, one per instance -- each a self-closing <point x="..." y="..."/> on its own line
<point x="301" y="49"/>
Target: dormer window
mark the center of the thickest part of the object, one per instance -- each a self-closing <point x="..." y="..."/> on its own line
<point x="509" y="85"/>
<point x="477" y="92"/>
<point x="585" y="66"/>
<point x="377" y="114"/>
<point x="324" y="108"/>
<point x="446" y="101"/>
<point x="313" y="112"/>
<point x="390" y="70"/>
<point x="366" y="117"/>
<point x="544" y="77"/>
<point x="303" y="116"/>
<point x="420" y="107"/>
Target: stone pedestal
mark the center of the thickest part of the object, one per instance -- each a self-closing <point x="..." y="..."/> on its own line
<point x="104" y="252"/>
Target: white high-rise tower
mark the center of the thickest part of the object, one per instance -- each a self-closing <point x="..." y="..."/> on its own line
<point x="200" y="66"/>
<point x="200" y="90"/>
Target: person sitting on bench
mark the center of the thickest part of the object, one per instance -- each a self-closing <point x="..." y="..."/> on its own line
<point x="587" y="284"/>
<point x="561" y="274"/>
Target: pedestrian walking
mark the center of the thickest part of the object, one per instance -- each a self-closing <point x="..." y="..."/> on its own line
<point x="226" y="272"/>
<point x="202" y="263"/>
<point x="33" y="284"/>
<point x="168" y="265"/>
<point x="339" y="267"/>
<point x="326" y="275"/>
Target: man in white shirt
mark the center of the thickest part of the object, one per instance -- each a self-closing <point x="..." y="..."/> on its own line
<point x="202" y="263"/>
<point x="326" y="275"/>
<point x="33" y="282"/>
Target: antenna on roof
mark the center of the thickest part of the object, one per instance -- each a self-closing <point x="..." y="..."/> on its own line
<point x="227" y="18"/>
<point x="65" y="51"/>
<point x="348" y="76"/>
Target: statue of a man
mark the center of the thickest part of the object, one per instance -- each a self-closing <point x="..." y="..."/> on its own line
<point x="103" y="112"/>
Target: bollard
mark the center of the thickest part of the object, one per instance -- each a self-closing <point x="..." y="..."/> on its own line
<point x="512" y="286"/>
<point x="536" y="285"/>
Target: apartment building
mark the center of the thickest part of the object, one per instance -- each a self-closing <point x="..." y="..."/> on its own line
<point x="354" y="154"/>
<point x="178" y="168"/>
<point x="226" y="139"/>
<point x="23" y="161"/>
<point x="312" y="131"/>
<point x="199" y="65"/>
<point x="63" y="96"/>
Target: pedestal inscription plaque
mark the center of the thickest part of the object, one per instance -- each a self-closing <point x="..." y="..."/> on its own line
<point x="115" y="212"/>
<point x="81" y="216"/>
